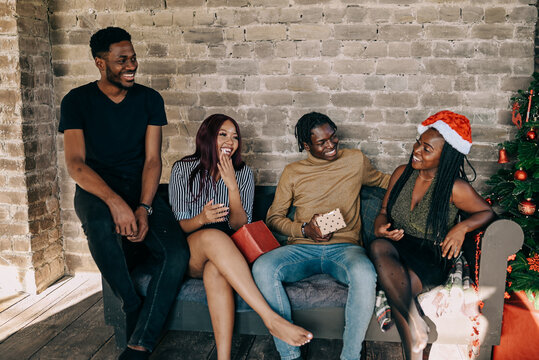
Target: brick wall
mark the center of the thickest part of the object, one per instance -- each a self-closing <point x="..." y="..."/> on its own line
<point x="377" y="68"/>
<point x="14" y="240"/>
<point x="39" y="138"/>
<point x="31" y="249"/>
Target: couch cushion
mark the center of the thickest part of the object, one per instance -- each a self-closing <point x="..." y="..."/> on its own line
<point x="371" y="202"/>
<point x="313" y="292"/>
<point x="262" y="201"/>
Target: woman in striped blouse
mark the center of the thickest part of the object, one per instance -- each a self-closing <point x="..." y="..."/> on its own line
<point x="211" y="193"/>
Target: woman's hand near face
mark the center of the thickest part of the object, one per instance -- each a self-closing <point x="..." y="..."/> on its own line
<point x="237" y="217"/>
<point x="227" y="172"/>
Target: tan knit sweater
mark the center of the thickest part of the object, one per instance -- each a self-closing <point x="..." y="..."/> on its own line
<point x="317" y="186"/>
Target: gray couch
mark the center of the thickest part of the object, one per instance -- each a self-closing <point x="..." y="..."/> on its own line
<point x="318" y="302"/>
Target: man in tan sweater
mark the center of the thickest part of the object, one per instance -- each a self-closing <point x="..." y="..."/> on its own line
<point x="328" y="179"/>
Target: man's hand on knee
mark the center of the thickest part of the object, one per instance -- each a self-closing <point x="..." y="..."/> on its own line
<point x="123" y="217"/>
<point x="141" y="216"/>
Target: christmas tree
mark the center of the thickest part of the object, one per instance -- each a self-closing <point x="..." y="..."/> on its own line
<point x="514" y="188"/>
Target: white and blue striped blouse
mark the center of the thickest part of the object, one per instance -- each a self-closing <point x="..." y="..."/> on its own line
<point x="181" y="198"/>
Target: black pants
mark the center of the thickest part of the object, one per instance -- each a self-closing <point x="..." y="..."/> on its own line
<point x="114" y="255"/>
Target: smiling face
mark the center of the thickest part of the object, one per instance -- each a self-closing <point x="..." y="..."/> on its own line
<point x="427" y="150"/>
<point x="324" y="143"/>
<point x="227" y="139"/>
<point x="119" y="65"/>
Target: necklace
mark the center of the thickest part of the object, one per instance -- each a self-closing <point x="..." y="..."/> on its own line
<point x="424" y="178"/>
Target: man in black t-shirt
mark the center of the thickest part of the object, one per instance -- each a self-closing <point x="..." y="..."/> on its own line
<point x="112" y="143"/>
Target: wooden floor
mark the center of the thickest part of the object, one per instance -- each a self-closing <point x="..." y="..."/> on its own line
<point x="66" y="322"/>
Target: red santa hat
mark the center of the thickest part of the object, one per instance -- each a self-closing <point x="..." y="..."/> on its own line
<point x="454" y="128"/>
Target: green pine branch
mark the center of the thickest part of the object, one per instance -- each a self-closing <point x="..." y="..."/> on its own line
<point x="507" y="192"/>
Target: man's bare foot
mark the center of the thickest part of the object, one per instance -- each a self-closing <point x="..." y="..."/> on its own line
<point x="289" y="333"/>
<point x="420" y="333"/>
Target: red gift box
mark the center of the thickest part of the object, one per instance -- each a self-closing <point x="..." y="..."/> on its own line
<point x="254" y="240"/>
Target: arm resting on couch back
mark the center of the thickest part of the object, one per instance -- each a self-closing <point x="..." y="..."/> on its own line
<point x="501" y="239"/>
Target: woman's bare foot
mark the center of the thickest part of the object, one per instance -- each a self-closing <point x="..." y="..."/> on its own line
<point x="289" y="333"/>
<point x="420" y="333"/>
<point x="417" y="355"/>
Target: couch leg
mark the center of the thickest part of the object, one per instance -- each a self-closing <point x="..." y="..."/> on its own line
<point x="379" y="350"/>
<point x="485" y="352"/>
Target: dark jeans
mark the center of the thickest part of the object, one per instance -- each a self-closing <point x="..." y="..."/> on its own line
<point x="115" y="256"/>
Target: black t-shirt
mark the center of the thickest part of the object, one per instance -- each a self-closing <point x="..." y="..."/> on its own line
<point x="114" y="134"/>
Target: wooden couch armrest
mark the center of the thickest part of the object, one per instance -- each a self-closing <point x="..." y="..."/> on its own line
<point x="501" y="239"/>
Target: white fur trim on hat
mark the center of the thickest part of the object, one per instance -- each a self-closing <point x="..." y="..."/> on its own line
<point x="450" y="135"/>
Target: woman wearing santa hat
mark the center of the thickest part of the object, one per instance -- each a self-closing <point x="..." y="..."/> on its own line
<point x="418" y="236"/>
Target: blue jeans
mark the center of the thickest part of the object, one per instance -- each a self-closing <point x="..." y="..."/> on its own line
<point x="115" y="256"/>
<point x="347" y="263"/>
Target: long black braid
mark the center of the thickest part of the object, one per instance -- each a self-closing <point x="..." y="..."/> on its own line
<point x="308" y="122"/>
<point x="451" y="167"/>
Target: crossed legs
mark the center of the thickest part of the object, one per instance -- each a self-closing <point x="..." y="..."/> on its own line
<point x="401" y="286"/>
<point x="216" y="259"/>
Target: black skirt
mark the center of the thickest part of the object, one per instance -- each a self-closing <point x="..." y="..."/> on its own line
<point x="425" y="259"/>
<point x="223" y="226"/>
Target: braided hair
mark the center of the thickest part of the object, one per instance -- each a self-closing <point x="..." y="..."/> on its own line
<point x="308" y="122"/>
<point x="450" y="168"/>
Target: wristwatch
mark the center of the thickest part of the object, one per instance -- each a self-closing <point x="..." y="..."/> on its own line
<point x="303" y="229"/>
<point x="148" y="208"/>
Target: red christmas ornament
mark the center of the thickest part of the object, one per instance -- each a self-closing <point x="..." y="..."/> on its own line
<point x="521" y="175"/>
<point x="489" y="201"/>
<point x="502" y="156"/>
<point x="531" y="134"/>
<point x="527" y="207"/>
